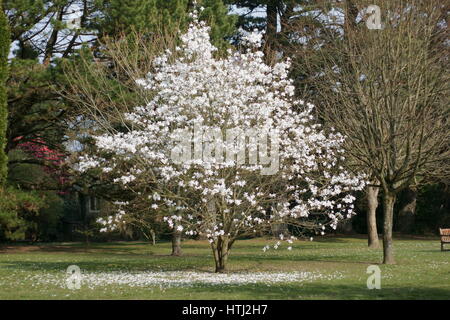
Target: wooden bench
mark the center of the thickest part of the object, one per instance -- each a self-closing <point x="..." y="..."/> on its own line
<point x="445" y="237"/>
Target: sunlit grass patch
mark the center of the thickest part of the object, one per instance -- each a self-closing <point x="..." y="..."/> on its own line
<point x="330" y="268"/>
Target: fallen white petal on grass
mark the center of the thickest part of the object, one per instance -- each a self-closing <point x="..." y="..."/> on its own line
<point x="181" y="278"/>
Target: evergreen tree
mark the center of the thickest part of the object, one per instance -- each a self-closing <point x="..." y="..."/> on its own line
<point x="223" y="25"/>
<point x="271" y="16"/>
<point x="4" y="51"/>
<point x="23" y="16"/>
<point x="166" y="16"/>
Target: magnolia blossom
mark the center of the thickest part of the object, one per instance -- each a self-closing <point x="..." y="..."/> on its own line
<point x="211" y="195"/>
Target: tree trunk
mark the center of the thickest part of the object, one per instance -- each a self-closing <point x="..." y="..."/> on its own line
<point x="406" y="216"/>
<point x="388" y="210"/>
<point x="220" y="252"/>
<point x="176" y="243"/>
<point x="372" y="204"/>
<point x="52" y="41"/>
<point x="271" y="29"/>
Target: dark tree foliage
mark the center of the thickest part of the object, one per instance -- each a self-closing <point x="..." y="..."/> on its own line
<point x="165" y="17"/>
<point x="4" y="51"/>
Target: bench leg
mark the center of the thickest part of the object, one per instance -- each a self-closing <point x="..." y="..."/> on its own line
<point x="442" y="246"/>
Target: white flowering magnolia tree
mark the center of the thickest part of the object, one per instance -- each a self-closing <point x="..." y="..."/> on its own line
<point x="226" y="149"/>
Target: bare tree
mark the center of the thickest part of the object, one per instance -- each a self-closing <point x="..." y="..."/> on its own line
<point x="101" y="83"/>
<point x="387" y="91"/>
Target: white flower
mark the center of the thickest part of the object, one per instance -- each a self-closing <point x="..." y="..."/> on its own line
<point x="186" y="142"/>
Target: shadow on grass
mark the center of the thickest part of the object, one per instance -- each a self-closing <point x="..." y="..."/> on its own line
<point x="156" y="263"/>
<point x="97" y="250"/>
<point x="352" y="259"/>
<point x="333" y="291"/>
<point x="133" y="248"/>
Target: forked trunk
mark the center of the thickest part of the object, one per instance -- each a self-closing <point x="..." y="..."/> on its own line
<point x="372" y="204"/>
<point x="220" y="252"/>
<point x="388" y="208"/>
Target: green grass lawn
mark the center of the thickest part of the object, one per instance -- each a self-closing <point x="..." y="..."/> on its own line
<point x="422" y="270"/>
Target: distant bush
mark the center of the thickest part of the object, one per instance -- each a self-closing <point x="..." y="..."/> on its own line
<point x="17" y="210"/>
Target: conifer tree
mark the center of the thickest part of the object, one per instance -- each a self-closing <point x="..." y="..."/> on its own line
<point x="4" y="51"/>
<point x="167" y="16"/>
